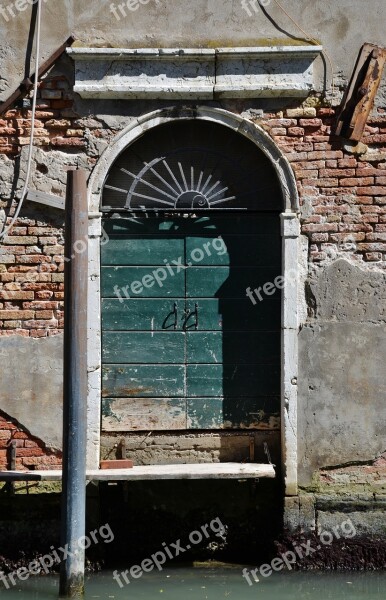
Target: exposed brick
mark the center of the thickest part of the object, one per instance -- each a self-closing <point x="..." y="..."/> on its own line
<point x="16" y="314"/>
<point x="44" y="314"/>
<point x="294" y="113"/>
<point x="310" y="122"/>
<point x="325" y="154"/>
<point x="30" y="452"/>
<point x="373" y="256"/>
<point x="32" y="259"/>
<point x="296" y="131"/>
<point x="17" y="295"/>
<point x="280" y="122"/>
<point x="367" y="172"/>
<point x="371" y="191"/>
<point x="347" y="163"/>
<point x="365" y="200"/>
<point x="321" y="182"/>
<point x="36" y="304"/>
<point x="39" y="324"/>
<point x="16" y="240"/>
<point x="320" y="227"/>
<point x="319" y="164"/>
<point x="302" y="174"/>
<point x="76" y="142"/>
<point x="376" y="237"/>
<point x="74" y="132"/>
<point x="359" y="181"/>
<point x="372" y="247"/>
<point x="354" y="227"/>
<point x="319" y="237"/>
<point x="337" y="172"/>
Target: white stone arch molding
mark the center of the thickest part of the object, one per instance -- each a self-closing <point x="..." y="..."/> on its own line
<point x="290" y="234"/>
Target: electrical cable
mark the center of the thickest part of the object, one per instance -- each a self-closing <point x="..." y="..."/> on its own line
<point x="310" y="39"/>
<point x="31" y="141"/>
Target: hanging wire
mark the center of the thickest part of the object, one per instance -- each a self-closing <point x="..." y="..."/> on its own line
<point x="308" y="38"/>
<point x="31" y="140"/>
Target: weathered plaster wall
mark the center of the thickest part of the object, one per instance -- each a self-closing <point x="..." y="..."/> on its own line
<point x="342" y="386"/>
<point x="340" y="26"/>
<point x="31" y="385"/>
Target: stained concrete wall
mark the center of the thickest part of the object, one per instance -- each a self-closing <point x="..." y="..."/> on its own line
<point x="31" y="385"/>
<point x="340" y="26"/>
<point x="342" y="385"/>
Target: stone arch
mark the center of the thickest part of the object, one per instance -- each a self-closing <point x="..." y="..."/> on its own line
<point x="290" y="231"/>
<point x="240" y="125"/>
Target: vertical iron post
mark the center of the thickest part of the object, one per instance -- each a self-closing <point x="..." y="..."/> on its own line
<point x="74" y="386"/>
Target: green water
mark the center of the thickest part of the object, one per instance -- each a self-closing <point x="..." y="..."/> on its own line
<point x="214" y="584"/>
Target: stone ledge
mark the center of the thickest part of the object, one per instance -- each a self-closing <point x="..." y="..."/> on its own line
<point x="197" y="73"/>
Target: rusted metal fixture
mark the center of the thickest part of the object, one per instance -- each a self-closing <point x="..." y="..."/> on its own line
<point x="75" y="386"/>
<point x="27" y="84"/>
<point x="359" y="98"/>
<point x="121" y="461"/>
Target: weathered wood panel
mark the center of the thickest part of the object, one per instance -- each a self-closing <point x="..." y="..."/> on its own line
<point x="141" y="314"/>
<point x="223" y="282"/>
<point x="232" y="347"/>
<point x="245" y="413"/>
<point x="121" y="381"/>
<point x="216" y="314"/>
<point x="130" y="414"/>
<point x="232" y="380"/>
<point x="234" y="250"/>
<point x="159" y="282"/>
<point x="142" y="347"/>
<point x="137" y="251"/>
<point x="232" y="470"/>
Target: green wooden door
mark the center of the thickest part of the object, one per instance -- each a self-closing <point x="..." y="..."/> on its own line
<point x="183" y="347"/>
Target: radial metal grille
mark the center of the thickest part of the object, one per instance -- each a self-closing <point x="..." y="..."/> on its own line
<point x="191" y="165"/>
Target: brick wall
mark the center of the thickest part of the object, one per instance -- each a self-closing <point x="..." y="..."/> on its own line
<point x="343" y="199"/>
<point x="342" y="195"/>
<point x="31" y="453"/>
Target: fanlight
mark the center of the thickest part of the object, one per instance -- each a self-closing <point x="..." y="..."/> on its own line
<point x="199" y="165"/>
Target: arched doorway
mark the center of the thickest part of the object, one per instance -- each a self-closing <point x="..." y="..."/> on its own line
<point x="192" y="212"/>
<point x="191" y="352"/>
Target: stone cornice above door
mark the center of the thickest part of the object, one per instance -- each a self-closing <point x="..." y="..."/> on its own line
<point x="199" y="73"/>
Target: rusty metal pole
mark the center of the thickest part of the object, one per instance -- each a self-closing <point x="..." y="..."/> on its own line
<point x="75" y="386"/>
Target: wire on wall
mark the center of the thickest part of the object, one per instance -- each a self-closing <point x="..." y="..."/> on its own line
<point x="31" y="140"/>
<point x="308" y="38"/>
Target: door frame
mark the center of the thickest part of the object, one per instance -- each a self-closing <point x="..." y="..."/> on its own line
<point x="291" y="251"/>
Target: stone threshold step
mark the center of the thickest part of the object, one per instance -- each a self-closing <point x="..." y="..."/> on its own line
<point x="153" y="472"/>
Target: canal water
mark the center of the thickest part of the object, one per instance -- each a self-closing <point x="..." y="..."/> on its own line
<point x="213" y="583"/>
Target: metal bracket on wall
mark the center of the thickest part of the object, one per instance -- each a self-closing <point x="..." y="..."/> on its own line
<point x="27" y="84"/>
<point x="359" y="98"/>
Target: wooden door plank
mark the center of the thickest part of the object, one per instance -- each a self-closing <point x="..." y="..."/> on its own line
<point x="229" y="347"/>
<point x="223" y="282"/>
<point x="143" y="381"/>
<point x="232" y="380"/>
<point x="142" y="282"/>
<point x="135" y="251"/>
<point x="216" y="314"/>
<point x="234" y="250"/>
<point x="245" y="413"/>
<point x="143" y="414"/>
<point x="141" y="314"/>
<point x="133" y="347"/>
